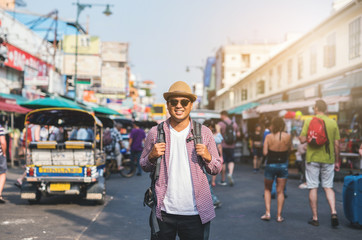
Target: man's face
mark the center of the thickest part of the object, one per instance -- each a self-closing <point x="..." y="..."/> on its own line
<point x="179" y="108"/>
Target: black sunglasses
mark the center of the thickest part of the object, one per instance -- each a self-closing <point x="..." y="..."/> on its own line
<point x="184" y="102"/>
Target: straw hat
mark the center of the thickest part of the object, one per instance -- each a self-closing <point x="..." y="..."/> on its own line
<point x="180" y="89"/>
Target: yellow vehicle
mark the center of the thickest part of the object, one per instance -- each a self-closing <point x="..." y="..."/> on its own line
<point x="158" y="111"/>
<point x="65" y="165"/>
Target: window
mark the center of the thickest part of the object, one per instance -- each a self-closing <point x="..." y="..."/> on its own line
<point x="330" y="51"/>
<point x="354" y="38"/>
<point x="245" y="58"/>
<point x="279" y="76"/>
<point x="244" y="94"/>
<point x="313" y="60"/>
<point x="290" y="71"/>
<point x="260" y="87"/>
<point x="270" y="79"/>
<point x="300" y="67"/>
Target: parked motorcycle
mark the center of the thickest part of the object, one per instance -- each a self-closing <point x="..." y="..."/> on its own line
<point x="128" y="167"/>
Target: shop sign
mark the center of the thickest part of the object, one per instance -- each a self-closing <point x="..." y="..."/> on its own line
<point x="86" y="44"/>
<point x="89" y="96"/>
<point x="37" y="71"/>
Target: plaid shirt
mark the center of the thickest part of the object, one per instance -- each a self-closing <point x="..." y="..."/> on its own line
<point x="199" y="180"/>
<point x="116" y="136"/>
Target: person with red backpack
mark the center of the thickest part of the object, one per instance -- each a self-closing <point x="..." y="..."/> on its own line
<point x="322" y="135"/>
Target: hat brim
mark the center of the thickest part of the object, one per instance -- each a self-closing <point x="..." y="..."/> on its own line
<point x="191" y="96"/>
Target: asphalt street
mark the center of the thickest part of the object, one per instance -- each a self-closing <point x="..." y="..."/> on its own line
<point x="124" y="217"/>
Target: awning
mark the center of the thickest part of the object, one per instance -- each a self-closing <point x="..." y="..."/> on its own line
<point x="106" y="111"/>
<point x="241" y="108"/>
<point x="51" y="102"/>
<point x="299" y="104"/>
<point x="19" y="99"/>
<point x="9" y="107"/>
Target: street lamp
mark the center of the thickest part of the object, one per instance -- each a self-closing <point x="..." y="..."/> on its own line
<point x="198" y="67"/>
<point x="202" y="70"/>
<point x="80" y="8"/>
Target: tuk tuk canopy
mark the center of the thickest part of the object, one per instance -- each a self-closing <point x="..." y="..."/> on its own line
<point x="62" y="117"/>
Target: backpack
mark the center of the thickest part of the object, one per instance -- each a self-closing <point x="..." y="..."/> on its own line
<point x="107" y="137"/>
<point x="317" y="134"/>
<point x="229" y="135"/>
<point x="150" y="198"/>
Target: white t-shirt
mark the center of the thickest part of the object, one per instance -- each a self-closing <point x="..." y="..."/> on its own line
<point x="180" y="197"/>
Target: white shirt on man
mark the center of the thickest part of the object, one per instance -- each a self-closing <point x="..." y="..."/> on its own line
<point x="180" y="197"/>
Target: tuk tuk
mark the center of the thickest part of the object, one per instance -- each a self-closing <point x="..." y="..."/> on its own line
<point x="65" y="165"/>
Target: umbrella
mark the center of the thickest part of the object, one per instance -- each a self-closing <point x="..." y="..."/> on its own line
<point x="50" y="102"/>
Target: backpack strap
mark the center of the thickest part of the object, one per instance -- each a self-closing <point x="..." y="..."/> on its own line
<point x="197" y="137"/>
<point x="327" y="143"/>
<point x="160" y="139"/>
<point x="154" y="176"/>
<point x="197" y="132"/>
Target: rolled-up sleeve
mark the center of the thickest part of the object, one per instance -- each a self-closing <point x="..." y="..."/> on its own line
<point x="146" y="165"/>
<point x="215" y="165"/>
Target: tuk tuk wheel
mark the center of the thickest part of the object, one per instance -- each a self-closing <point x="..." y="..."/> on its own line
<point x="129" y="169"/>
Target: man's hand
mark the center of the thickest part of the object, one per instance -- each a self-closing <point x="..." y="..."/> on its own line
<point x="202" y="151"/>
<point x="157" y="151"/>
<point x="337" y="166"/>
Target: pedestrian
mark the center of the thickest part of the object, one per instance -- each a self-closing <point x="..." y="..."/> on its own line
<point x="257" y="147"/>
<point x="117" y="143"/>
<point x="44" y="133"/>
<point x="228" y="148"/>
<point x="276" y="148"/>
<point x="31" y="134"/>
<point x="321" y="163"/>
<point x="300" y="161"/>
<point x="184" y="204"/>
<point x="3" y="163"/>
<point x="136" y="141"/>
<point x="218" y="139"/>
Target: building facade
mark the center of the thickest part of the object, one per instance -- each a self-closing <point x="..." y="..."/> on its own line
<point x="324" y="63"/>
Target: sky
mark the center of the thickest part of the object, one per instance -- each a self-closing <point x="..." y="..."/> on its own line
<point x="165" y="36"/>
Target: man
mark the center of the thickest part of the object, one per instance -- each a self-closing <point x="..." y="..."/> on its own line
<point x="136" y="141"/>
<point x="32" y="134"/>
<point x="117" y="143"/>
<point x="321" y="163"/>
<point x="184" y="204"/>
<point x="227" y="149"/>
<point x="3" y="163"/>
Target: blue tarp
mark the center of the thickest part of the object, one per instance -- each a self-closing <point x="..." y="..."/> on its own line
<point x="208" y="71"/>
<point x="43" y="25"/>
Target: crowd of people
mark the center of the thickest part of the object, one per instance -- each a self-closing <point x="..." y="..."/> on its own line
<point x="187" y="169"/>
<point x="270" y="146"/>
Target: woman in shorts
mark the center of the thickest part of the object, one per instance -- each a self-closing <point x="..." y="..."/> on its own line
<point x="276" y="149"/>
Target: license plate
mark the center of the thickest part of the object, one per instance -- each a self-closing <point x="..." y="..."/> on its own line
<point x="59" y="170"/>
<point x="59" y="187"/>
